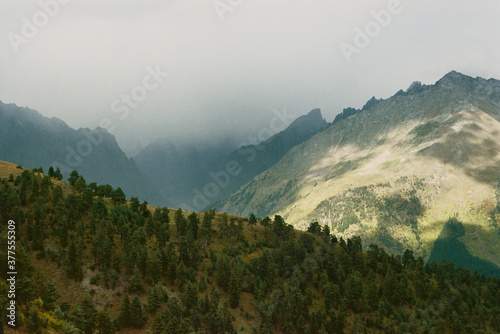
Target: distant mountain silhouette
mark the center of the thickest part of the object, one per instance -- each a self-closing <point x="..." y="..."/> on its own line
<point x="31" y="140"/>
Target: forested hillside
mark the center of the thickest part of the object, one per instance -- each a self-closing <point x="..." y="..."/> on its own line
<point x="90" y="261"/>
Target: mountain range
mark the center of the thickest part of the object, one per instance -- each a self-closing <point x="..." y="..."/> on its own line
<point x="394" y="171"/>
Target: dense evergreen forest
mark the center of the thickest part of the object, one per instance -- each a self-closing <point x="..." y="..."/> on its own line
<point x="89" y="261"/>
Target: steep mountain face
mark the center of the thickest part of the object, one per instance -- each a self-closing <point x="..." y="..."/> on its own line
<point x="195" y="177"/>
<point x="395" y="171"/>
<point x="31" y="140"/>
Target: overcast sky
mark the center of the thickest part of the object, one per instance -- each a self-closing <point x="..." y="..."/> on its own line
<point x="230" y="62"/>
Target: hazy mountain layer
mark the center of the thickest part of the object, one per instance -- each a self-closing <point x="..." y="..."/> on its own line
<point x="195" y="177"/>
<point x="31" y="140"/>
<point x="395" y="171"/>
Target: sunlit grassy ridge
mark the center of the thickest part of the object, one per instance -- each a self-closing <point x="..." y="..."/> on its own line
<point x="444" y="135"/>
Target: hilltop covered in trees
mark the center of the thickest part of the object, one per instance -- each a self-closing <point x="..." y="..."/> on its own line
<point x="91" y="262"/>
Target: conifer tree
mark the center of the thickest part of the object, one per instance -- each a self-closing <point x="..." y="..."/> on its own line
<point x="192" y="224"/>
<point x="158" y="326"/>
<point x="155" y="267"/>
<point x="136" y="285"/>
<point x="104" y="324"/>
<point x="252" y="220"/>
<point x="57" y="174"/>
<point x="190" y="296"/>
<point x="125" y="317"/>
<point x="156" y="298"/>
<point x="57" y="194"/>
<point x="223" y="225"/>
<point x="50" y="296"/>
<point x="266" y="223"/>
<point x="118" y="196"/>
<point x="138" y="319"/>
<point x="206" y="227"/>
<point x="172" y="316"/>
<point x="171" y="261"/>
<point x="163" y="234"/>
<point x="234" y="286"/>
<point x="180" y="222"/>
<point x="181" y="274"/>
<point x="134" y="204"/>
<point x="85" y="315"/>
<point x="73" y="177"/>
<point x="74" y="269"/>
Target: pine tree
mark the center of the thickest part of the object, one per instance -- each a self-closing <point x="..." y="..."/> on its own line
<point x="225" y="320"/>
<point x="180" y="222"/>
<point x="158" y="326"/>
<point x="134" y="204"/>
<point x="171" y="261"/>
<point x="190" y="296"/>
<point x="252" y="220"/>
<point x="192" y="225"/>
<point x="234" y="287"/>
<point x="57" y="194"/>
<point x="163" y="234"/>
<point x="223" y="271"/>
<point x="74" y="270"/>
<point x="155" y="267"/>
<point x="206" y="227"/>
<point x="80" y="186"/>
<point x="223" y="225"/>
<point x="57" y="174"/>
<point x="98" y="245"/>
<point x="266" y="223"/>
<point x="63" y="231"/>
<point x="85" y="315"/>
<point x="50" y="296"/>
<point x="184" y="254"/>
<point x="125" y="317"/>
<point x="118" y="196"/>
<point x="181" y="274"/>
<point x="138" y="319"/>
<point x="73" y="177"/>
<point x="104" y="324"/>
<point x="51" y="171"/>
<point x="45" y="186"/>
<point x="172" y="316"/>
<point x="156" y="298"/>
<point x="136" y="285"/>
